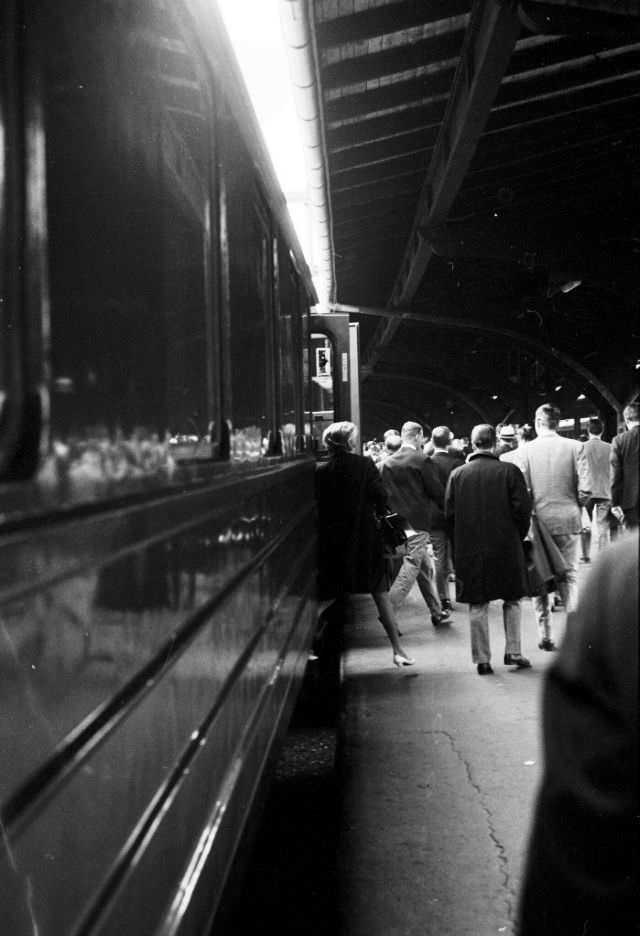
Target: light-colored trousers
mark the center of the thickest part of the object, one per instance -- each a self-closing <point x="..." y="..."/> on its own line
<point x="440" y="543"/>
<point x="479" y="617"/>
<point x="417" y="564"/>
<point x="568" y="544"/>
<point x="599" y="512"/>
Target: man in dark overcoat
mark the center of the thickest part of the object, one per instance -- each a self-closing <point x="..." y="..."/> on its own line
<point x="488" y="509"/>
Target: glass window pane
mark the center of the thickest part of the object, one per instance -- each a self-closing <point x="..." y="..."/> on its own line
<point x="128" y="180"/>
<point x="251" y="303"/>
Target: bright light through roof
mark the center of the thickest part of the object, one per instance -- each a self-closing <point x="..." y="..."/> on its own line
<point x="254" y="28"/>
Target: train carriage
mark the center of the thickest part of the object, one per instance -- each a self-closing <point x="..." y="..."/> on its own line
<point x="156" y="500"/>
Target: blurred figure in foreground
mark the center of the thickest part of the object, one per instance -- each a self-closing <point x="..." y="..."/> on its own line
<point x="583" y="865"/>
<point x="349" y="496"/>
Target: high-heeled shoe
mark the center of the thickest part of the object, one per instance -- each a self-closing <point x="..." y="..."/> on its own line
<point x="401" y="660"/>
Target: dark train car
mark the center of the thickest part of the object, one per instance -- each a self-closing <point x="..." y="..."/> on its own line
<point x="156" y="498"/>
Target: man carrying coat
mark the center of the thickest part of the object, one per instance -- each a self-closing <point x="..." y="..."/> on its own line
<point x="488" y="509"/>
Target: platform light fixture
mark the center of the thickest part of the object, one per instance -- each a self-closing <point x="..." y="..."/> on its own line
<point x="561" y="283"/>
<point x="570" y="285"/>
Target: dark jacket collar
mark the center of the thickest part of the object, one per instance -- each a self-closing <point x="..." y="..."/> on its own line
<point x="481" y="455"/>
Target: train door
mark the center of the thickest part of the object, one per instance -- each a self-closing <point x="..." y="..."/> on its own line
<point x="335" y="375"/>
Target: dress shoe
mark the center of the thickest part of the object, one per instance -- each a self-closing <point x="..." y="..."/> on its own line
<point x="547" y="644"/>
<point x="484" y="669"/>
<point x="401" y="660"/>
<point x="516" y="659"/>
<point x="440" y="618"/>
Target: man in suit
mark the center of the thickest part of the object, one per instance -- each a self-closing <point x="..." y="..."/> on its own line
<point x="555" y="474"/>
<point x="413" y="487"/>
<point x="625" y="455"/>
<point x="489" y="510"/>
<point x="598" y="507"/>
<point x="444" y="462"/>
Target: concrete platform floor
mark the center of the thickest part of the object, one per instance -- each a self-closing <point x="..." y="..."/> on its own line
<point x="419" y="825"/>
<point x="440" y="768"/>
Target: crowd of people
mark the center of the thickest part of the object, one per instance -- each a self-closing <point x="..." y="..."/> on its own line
<point x="478" y="513"/>
<point x="474" y="513"/>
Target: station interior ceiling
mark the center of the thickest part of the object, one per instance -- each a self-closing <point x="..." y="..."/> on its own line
<point x="482" y="164"/>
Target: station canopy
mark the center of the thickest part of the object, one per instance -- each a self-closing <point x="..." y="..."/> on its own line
<point x="481" y="163"/>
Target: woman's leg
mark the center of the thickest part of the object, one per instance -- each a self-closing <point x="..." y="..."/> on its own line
<point x="388" y="618"/>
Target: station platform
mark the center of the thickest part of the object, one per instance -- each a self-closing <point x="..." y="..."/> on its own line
<point x="420" y="827"/>
<point x="440" y="768"/>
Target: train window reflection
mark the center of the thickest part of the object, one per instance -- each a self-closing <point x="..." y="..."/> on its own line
<point x="128" y="197"/>
<point x="251" y="305"/>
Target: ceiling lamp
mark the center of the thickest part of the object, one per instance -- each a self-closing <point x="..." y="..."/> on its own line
<point x="569" y="285"/>
<point x="561" y="283"/>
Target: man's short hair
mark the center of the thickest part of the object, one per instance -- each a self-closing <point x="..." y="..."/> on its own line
<point x="549" y="415"/>
<point x="390" y="432"/>
<point x="595" y="426"/>
<point x="441" y="436"/>
<point x="526" y="433"/>
<point x="411" y="431"/>
<point x="392" y="442"/>
<point x="631" y="412"/>
<point x="483" y="436"/>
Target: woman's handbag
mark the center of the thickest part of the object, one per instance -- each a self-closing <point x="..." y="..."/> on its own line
<point x="391" y="526"/>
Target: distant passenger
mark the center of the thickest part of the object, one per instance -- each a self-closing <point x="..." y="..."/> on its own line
<point x="598" y="506"/>
<point x="507" y="440"/>
<point x="489" y="510"/>
<point x="349" y="494"/>
<point x="582" y="876"/>
<point x="524" y="434"/>
<point x="392" y="442"/>
<point x="555" y="473"/>
<point x="444" y="462"/>
<point x="625" y="455"/>
<point x="414" y="490"/>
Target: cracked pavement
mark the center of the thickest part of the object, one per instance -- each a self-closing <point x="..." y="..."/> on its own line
<point x="438" y="770"/>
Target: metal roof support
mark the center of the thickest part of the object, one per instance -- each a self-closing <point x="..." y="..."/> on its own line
<point x="441" y="321"/>
<point x="425" y="382"/>
<point x="493" y="30"/>
<point x="297" y="29"/>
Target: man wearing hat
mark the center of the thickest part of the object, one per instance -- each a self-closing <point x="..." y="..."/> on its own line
<point x="508" y="440"/>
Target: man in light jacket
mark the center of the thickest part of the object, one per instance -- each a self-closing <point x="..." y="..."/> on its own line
<point x="555" y="473"/>
<point x="598" y="507"/>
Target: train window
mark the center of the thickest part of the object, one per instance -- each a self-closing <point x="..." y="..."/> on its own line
<point x="249" y="248"/>
<point x="128" y="152"/>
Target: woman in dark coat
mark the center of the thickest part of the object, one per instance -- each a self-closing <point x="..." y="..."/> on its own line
<point x="349" y="494"/>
